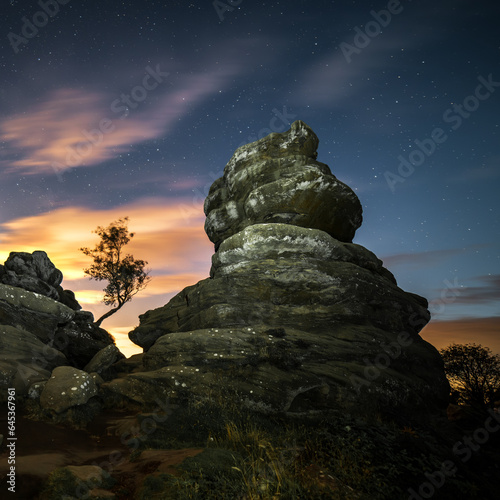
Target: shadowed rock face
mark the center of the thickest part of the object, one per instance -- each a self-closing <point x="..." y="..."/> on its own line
<point x="300" y="317"/>
<point x="41" y="325"/>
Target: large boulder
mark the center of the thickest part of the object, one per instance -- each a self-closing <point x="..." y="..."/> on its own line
<point x="32" y="312"/>
<point x="294" y="316"/>
<point x="82" y="339"/>
<point x="67" y="387"/>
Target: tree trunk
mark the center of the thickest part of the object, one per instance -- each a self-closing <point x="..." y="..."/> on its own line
<point x="107" y="315"/>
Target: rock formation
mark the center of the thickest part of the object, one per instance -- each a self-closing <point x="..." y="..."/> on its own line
<point x="294" y="317"/>
<point x="41" y="325"/>
<point x="36" y="273"/>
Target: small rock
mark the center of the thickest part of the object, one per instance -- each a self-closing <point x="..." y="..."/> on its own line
<point x="104" y="359"/>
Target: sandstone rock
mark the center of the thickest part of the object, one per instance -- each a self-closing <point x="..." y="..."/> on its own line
<point x="277" y="179"/>
<point x="104" y="359"/>
<point x="24" y="360"/>
<point x="288" y="277"/>
<point x="294" y="317"/>
<point x="72" y="332"/>
<point x="35" y="391"/>
<point x="96" y="378"/>
<point x="21" y="299"/>
<point x="36" y="273"/>
<point x="41" y="332"/>
<point x="67" y="387"/>
<point x="131" y="364"/>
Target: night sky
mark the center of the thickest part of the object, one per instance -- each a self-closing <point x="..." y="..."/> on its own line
<point x="112" y="109"/>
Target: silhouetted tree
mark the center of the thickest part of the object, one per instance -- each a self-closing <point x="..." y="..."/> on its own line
<point x="125" y="275"/>
<point x="474" y="371"/>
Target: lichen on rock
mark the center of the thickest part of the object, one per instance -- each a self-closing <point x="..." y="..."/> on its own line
<point x="282" y="225"/>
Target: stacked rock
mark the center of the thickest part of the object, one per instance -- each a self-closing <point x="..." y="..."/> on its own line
<point x="282" y="225"/>
<point x="278" y="180"/>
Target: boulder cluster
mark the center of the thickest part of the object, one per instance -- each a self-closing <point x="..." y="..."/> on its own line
<point x="294" y="317"/>
<point x="44" y="334"/>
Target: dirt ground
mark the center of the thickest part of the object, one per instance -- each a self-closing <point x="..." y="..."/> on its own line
<point x="42" y="447"/>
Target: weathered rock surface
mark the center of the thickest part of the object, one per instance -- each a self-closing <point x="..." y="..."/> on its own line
<point x="36" y="273"/>
<point x="67" y="387"/>
<point x="32" y="312"/>
<point x="40" y="332"/>
<point x="24" y="360"/>
<point x="294" y="317"/>
<point x="277" y="179"/>
<point x="103" y="360"/>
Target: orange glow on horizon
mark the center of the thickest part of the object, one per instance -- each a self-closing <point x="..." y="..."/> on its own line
<point x="484" y="331"/>
<point x="169" y="236"/>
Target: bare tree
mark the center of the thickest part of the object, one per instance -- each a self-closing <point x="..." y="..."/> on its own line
<point x="125" y="275"/>
<point x="474" y="371"/>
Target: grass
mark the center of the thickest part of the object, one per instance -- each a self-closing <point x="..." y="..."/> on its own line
<point x="249" y="456"/>
<point x="341" y="457"/>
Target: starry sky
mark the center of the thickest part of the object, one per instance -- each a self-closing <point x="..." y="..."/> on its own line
<point x="113" y="109"/>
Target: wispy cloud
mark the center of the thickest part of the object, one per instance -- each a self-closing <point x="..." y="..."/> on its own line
<point x="424" y="258"/>
<point x="330" y="80"/>
<point x="488" y="171"/>
<point x="170" y="236"/>
<point x="77" y="127"/>
<point x="488" y="292"/>
<point x="335" y="77"/>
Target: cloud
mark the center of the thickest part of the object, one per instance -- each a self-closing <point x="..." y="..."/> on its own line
<point x="488" y="292"/>
<point x="346" y="71"/>
<point x="422" y="258"/>
<point x="484" y="331"/>
<point x="486" y="172"/>
<point x="330" y="80"/>
<point x="75" y="128"/>
<point x="170" y="236"/>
